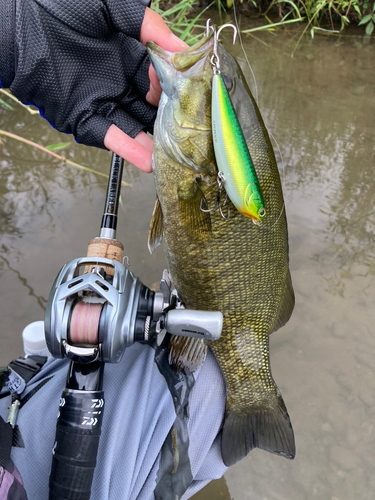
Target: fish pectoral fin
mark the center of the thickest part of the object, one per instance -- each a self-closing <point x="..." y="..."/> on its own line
<point x="155" y="235"/>
<point x="286" y="305"/>
<point x="197" y="223"/>
<point x="190" y="124"/>
<point x="267" y="427"/>
<point x="203" y="152"/>
<point x="195" y="152"/>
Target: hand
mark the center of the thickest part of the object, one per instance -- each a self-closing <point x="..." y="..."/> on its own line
<point x="83" y="64"/>
<point x="138" y="151"/>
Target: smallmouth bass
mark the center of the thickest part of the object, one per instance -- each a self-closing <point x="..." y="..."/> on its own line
<point x="234" y="266"/>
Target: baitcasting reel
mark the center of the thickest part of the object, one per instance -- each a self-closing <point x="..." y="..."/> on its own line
<point x="96" y="316"/>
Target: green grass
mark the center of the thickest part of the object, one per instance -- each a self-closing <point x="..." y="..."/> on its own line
<point x="178" y="16"/>
<point x="333" y="15"/>
<point x="329" y="16"/>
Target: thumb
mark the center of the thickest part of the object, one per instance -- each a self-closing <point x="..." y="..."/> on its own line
<point x="154" y="29"/>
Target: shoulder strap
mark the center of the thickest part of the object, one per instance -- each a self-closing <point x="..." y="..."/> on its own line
<point x="6" y="441"/>
<point x="21" y="371"/>
<point x="16" y="376"/>
<point x="28" y="367"/>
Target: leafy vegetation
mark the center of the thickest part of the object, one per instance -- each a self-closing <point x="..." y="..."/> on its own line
<point x="330" y="16"/>
<point x="180" y="17"/>
<point x="334" y="15"/>
<point x="369" y="19"/>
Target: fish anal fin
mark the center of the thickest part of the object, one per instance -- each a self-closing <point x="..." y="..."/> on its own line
<point x="155" y="236"/>
<point x="286" y="305"/>
<point x="186" y="353"/>
<point x="267" y="427"/>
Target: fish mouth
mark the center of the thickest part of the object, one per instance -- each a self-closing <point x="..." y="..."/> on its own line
<point x="185" y="59"/>
<point x="154" y="48"/>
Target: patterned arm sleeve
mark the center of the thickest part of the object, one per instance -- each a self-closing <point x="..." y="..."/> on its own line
<point x="7" y="42"/>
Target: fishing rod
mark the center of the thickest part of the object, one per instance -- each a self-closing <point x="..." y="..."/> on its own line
<point x="96" y="309"/>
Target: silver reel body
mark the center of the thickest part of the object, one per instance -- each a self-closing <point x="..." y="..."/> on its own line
<point x="130" y="312"/>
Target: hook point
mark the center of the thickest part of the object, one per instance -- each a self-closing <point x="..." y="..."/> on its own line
<point x="228" y="25"/>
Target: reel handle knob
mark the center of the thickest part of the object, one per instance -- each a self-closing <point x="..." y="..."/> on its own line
<point x="205" y="325"/>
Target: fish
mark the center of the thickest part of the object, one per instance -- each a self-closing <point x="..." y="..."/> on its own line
<point x="233" y="266"/>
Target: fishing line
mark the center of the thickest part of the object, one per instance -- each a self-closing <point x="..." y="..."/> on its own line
<point x="256" y="100"/>
<point x="284" y="175"/>
<point x="243" y="50"/>
<point x="281" y="156"/>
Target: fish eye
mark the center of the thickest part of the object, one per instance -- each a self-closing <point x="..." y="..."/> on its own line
<point x="262" y="212"/>
<point x="228" y="82"/>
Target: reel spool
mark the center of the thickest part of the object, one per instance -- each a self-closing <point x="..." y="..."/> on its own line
<point x="112" y="319"/>
<point x="84" y="323"/>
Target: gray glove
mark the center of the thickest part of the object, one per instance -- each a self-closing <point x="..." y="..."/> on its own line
<point x="80" y="62"/>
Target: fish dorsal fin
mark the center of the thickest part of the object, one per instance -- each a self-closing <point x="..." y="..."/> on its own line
<point x="286" y="305"/>
<point x="155" y="236"/>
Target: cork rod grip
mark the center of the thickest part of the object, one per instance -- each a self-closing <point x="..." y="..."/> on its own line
<point x="105" y="248"/>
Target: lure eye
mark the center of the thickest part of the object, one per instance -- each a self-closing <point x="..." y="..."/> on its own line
<point x="262" y="212"/>
<point x="228" y="82"/>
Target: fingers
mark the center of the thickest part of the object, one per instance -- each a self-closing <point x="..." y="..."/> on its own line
<point x="154" y="29"/>
<point x="136" y="151"/>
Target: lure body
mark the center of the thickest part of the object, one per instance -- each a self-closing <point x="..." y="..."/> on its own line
<point x="233" y="156"/>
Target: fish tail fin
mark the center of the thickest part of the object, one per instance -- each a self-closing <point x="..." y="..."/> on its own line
<point x="267" y="427"/>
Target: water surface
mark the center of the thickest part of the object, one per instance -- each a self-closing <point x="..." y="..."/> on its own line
<point x="320" y="106"/>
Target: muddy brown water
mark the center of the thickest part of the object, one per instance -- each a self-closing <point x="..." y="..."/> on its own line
<point x="320" y="106"/>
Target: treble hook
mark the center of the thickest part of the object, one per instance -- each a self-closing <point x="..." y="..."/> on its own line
<point x="218" y="204"/>
<point x="209" y="27"/>
<point x="215" y="60"/>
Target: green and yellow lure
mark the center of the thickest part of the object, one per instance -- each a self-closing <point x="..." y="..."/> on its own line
<point x="232" y="154"/>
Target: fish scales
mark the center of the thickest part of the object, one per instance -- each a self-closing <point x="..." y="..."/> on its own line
<point x="234" y="266"/>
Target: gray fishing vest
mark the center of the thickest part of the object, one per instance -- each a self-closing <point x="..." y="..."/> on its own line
<point x="159" y="440"/>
